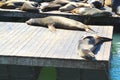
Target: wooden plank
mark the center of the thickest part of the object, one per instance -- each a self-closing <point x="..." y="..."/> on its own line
<point x="24" y="39"/>
<point x="61" y="46"/>
<point x="106" y="55"/>
<point x="100" y="50"/>
<point x="10" y="35"/>
<point x="49" y="38"/>
<point x="34" y="41"/>
<point x="73" y="46"/>
<point x="44" y="45"/>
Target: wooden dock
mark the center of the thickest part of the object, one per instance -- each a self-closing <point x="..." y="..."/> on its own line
<point x="25" y="49"/>
<point x="113" y="20"/>
<point x="22" y="44"/>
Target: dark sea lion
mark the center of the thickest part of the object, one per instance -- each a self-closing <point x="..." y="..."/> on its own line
<point x="73" y="5"/>
<point x="60" y="22"/>
<point x="97" y="3"/>
<point x="88" y="44"/>
<point x="116" y="6"/>
<point x="90" y="12"/>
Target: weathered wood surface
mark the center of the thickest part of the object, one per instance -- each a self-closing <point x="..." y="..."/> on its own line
<point x="22" y="44"/>
<point x="85" y="19"/>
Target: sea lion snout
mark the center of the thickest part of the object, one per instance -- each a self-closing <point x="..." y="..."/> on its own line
<point x="29" y="21"/>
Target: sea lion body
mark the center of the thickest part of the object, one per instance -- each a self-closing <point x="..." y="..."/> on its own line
<point x="13" y="4"/>
<point x="60" y="22"/>
<point x="49" y="6"/>
<point x="88" y="44"/>
<point x="73" y="5"/>
<point x="64" y="2"/>
<point x="30" y="7"/>
<point x="90" y="12"/>
<point x="68" y="7"/>
<point x="54" y="5"/>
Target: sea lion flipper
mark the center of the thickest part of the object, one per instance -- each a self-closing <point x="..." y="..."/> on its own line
<point x="90" y="30"/>
<point x="51" y="27"/>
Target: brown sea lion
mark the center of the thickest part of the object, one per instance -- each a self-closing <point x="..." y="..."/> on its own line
<point x="88" y="44"/>
<point x="90" y="12"/>
<point x="60" y="22"/>
<point x="73" y="5"/>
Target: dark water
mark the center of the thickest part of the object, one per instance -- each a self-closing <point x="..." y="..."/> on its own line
<point x="115" y="60"/>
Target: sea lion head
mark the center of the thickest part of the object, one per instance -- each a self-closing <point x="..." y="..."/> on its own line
<point x="30" y="21"/>
<point x="74" y="11"/>
<point x="35" y="21"/>
<point x="80" y="11"/>
<point x="87" y="54"/>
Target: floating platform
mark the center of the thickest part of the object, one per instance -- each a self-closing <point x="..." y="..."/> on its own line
<point x="22" y="44"/>
<point x="113" y="20"/>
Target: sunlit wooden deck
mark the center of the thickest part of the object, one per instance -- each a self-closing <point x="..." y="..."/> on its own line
<point x="22" y="44"/>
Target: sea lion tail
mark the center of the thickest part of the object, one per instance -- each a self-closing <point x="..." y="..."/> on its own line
<point x="104" y="39"/>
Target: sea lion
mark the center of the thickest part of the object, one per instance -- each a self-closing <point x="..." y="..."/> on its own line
<point x="73" y="5"/>
<point x="49" y="6"/>
<point x="90" y="12"/>
<point x="116" y="7"/>
<point x="97" y="3"/>
<point x="88" y="44"/>
<point x="68" y="7"/>
<point x="60" y="22"/>
<point x="54" y="5"/>
<point x="30" y="7"/>
<point x="13" y="4"/>
<point x="64" y="2"/>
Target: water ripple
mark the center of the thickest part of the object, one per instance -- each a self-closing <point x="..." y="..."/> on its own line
<point x="115" y="60"/>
